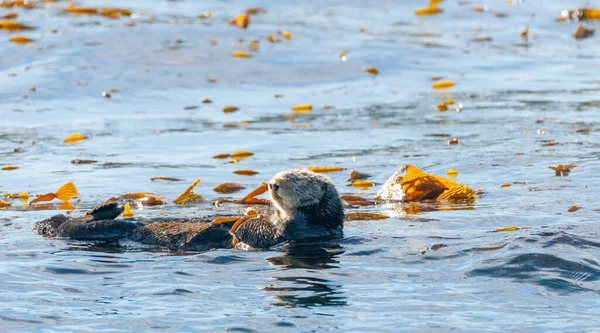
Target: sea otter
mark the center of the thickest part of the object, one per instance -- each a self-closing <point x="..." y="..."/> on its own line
<point x="307" y="206"/>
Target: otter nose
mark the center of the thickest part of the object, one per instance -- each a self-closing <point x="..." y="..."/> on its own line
<point x="274" y="187"/>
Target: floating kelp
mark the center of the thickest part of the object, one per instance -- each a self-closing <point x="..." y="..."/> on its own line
<point x="73" y="138"/>
<point x="411" y="184"/>
<point x="228" y="188"/>
<point x="246" y="172"/>
<point x="562" y="170"/>
<point x="188" y="194"/>
<point x="64" y="193"/>
<point x="326" y="169"/>
<point x="364" y="216"/>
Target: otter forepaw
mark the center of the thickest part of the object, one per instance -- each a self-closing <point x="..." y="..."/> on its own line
<point x="256" y="232"/>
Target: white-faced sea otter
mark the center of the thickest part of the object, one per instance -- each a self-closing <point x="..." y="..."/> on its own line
<point x="307" y="206"/>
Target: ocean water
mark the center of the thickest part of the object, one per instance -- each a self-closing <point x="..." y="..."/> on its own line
<point x="429" y="267"/>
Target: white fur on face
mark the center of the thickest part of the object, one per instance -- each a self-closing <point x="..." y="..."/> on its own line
<point x="297" y="188"/>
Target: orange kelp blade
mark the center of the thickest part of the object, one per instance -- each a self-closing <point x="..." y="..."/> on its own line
<point x="45" y="197"/>
<point x="239" y="222"/>
<point x="417" y="185"/>
<point x="127" y="213"/>
<point x="228" y="188"/>
<point x="325" y="169"/>
<point x="411" y="184"/>
<point x="73" y="138"/>
<point x="22" y="196"/>
<point x="67" y="192"/>
<point x="187" y="193"/>
<point x="458" y="192"/>
<point x="66" y="205"/>
<point x="221" y="220"/>
<point x="361" y="203"/>
<point x="64" y="193"/>
<point x="241" y="21"/>
<point x="362" y="184"/>
<point x="134" y="196"/>
<point x="234" y="240"/>
<point x="261" y="189"/>
<point x="152" y="201"/>
<point x="355" y="200"/>
<point x="423" y="188"/>
<point x="562" y="170"/>
<point x="364" y="216"/>
<point x="171" y="179"/>
<point x="245" y="172"/>
<point x="253" y="201"/>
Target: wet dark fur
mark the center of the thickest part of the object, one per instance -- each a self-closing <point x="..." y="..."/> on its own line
<point x="99" y="224"/>
<point x="321" y="219"/>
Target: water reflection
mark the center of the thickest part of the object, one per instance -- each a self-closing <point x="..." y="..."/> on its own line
<point x="308" y="255"/>
<point x="298" y="285"/>
<point x="96" y="246"/>
<point x="416" y="208"/>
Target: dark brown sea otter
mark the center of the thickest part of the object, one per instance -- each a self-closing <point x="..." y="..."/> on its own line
<point x="307" y="206"/>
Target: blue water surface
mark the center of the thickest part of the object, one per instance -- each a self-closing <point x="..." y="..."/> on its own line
<point x="525" y="104"/>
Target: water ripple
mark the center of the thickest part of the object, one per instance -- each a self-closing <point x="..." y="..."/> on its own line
<point x="546" y="270"/>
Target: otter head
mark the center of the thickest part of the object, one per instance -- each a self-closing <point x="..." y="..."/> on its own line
<point x="299" y="188"/>
<point x="50" y="227"/>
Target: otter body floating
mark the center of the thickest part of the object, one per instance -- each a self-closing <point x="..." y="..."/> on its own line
<point x="307" y="206"/>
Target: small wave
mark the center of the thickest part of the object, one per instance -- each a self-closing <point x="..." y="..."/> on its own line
<point x="73" y="271"/>
<point x="225" y="260"/>
<point x="546" y="270"/>
<point x="567" y="239"/>
<point x="178" y="291"/>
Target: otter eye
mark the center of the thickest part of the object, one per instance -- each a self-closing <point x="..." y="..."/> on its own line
<point x="273" y="187"/>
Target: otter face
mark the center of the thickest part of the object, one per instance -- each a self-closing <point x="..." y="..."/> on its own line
<point x="50" y="227"/>
<point x="290" y="190"/>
